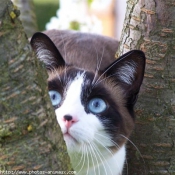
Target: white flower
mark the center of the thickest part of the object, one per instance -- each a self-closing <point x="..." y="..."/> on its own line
<point x="73" y="14"/>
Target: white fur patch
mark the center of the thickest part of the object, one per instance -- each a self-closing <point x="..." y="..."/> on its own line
<point x="127" y="71"/>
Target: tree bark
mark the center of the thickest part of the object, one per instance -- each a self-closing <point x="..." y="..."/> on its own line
<point x="27" y="16"/>
<point x="150" y="26"/>
<point x="30" y="138"/>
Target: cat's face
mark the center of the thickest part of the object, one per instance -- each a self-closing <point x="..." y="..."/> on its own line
<point x="89" y="110"/>
<point x="93" y="108"/>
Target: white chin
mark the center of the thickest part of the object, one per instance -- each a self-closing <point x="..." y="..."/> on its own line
<point x="68" y="138"/>
<point x="71" y="143"/>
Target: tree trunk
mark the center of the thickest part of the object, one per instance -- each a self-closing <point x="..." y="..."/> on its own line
<point x="27" y="16"/>
<point x="30" y="138"/>
<point x="150" y="26"/>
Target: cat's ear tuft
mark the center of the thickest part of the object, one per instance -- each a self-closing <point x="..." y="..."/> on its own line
<point x="46" y="51"/>
<point x="128" y="71"/>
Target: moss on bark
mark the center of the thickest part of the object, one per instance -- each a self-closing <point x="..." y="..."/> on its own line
<point x="30" y="138"/>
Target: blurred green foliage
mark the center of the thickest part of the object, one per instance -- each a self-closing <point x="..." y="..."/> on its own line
<point x="74" y="25"/>
<point x="89" y="2"/>
<point x="44" y="10"/>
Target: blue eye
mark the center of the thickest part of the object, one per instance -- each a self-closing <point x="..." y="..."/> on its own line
<point x="55" y="97"/>
<point x="97" y="105"/>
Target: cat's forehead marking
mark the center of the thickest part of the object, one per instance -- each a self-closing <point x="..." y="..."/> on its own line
<point x="73" y="92"/>
<point x="74" y="88"/>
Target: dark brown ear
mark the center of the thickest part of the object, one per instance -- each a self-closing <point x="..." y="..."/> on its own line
<point x="46" y="51"/>
<point x="128" y="72"/>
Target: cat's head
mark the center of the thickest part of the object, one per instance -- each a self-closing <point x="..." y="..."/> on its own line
<point x="92" y="107"/>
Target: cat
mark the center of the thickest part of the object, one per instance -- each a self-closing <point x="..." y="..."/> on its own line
<point x="93" y="95"/>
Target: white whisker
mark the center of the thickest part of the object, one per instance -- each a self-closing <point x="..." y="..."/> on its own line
<point x="116" y="146"/>
<point x="90" y="150"/>
<point x="99" y="153"/>
<point x="80" y="158"/>
<point x="54" y="71"/>
<point x="98" y="65"/>
<point x="96" y="70"/>
<point x="104" y="146"/>
<point x="65" y="54"/>
<point x="108" y="151"/>
<point x="110" y="140"/>
<point x="84" y="158"/>
<point x="134" y="146"/>
<point x="105" y="78"/>
<point x="109" y="68"/>
<point x="96" y="159"/>
<point x="87" y="160"/>
<point x="65" y="57"/>
<point x="104" y="73"/>
<point x="57" y="75"/>
<point x="65" y="74"/>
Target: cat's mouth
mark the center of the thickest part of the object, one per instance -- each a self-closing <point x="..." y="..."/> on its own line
<point x="68" y="136"/>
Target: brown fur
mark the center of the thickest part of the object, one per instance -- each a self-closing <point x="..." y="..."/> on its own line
<point x="82" y="49"/>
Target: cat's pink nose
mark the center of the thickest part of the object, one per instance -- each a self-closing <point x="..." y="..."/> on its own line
<point x="69" y="120"/>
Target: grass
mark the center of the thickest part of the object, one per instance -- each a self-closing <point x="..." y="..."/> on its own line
<point x="44" y="10"/>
